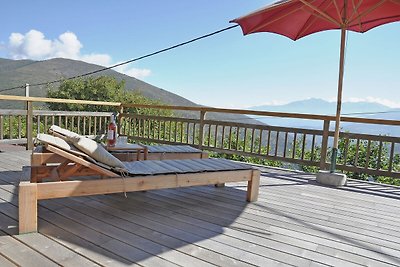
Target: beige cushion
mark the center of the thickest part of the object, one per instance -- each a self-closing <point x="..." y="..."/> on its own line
<point x="96" y="151"/>
<point x="60" y="143"/>
<point x="53" y="140"/>
<point x="64" y="132"/>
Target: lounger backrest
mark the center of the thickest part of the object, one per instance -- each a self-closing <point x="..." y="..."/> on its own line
<point x="86" y="148"/>
<point x="60" y="143"/>
<point x="62" y="133"/>
<point x="96" y="151"/>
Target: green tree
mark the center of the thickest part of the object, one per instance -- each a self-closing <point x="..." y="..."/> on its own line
<point x="109" y="89"/>
<point x="351" y="156"/>
<point x="245" y="146"/>
<point x="103" y="88"/>
<point x="378" y="154"/>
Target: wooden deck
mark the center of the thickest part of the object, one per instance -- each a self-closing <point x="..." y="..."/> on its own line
<point x="295" y="222"/>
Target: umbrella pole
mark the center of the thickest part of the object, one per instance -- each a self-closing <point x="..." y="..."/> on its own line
<point x="339" y="101"/>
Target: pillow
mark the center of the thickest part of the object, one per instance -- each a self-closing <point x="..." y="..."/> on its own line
<point x="60" y="143"/>
<point x="64" y="133"/>
<point x="96" y="151"/>
<point x="53" y="140"/>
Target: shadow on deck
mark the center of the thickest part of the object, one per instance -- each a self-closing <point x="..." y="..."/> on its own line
<point x="295" y="222"/>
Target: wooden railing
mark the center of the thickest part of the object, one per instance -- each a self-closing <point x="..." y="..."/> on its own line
<point x="30" y="121"/>
<point x="359" y="153"/>
<point x="13" y="123"/>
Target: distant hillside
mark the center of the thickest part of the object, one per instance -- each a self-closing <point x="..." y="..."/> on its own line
<point x="18" y="72"/>
<point x="322" y="107"/>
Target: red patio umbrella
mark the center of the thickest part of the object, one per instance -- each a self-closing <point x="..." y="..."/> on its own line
<point x="298" y="18"/>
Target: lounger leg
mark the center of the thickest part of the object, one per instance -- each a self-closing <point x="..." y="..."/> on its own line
<point x="27" y="198"/>
<point x="36" y="159"/>
<point x="253" y="186"/>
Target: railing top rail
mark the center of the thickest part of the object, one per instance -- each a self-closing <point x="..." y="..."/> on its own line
<point x="269" y="114"/>
<point x="204" y="109"/>
<point x="70" y="113"/>
<point x="14" y="112"/>
<point x="57" y="100"/>
<point x="371" y="121"/>
<point x="235" y="111"/>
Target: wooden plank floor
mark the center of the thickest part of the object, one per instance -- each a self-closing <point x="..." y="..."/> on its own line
<point x="295" y="223"/>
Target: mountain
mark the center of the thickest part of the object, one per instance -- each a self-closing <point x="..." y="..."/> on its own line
<point x="19" y="72"/>
<point x="322" y="107"/>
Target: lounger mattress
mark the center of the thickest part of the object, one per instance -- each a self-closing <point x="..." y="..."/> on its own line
<point x="154" y="167"/>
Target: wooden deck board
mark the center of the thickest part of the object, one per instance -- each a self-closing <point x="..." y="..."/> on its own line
<point x="155" y="231"/>
<point x="120" y="230"/>
<point x="279" y="244"/>
<point x="66" y="257"/>
<point x="214" y="240"/>
<point x="6" y="262"/>
<point x="323" y="242"/>
<point x="351" y="219"/>
<point x="295" y="222"/>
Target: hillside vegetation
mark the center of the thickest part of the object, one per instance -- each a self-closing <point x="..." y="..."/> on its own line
<point x="19" y="72"/>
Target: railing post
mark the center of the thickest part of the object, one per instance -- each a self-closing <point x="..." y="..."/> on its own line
<point x="201" y="130"/>
<point x="324" y="145"/>
<point x="29" y="126"/>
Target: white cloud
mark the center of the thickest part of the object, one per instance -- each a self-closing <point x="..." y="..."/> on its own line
<point x="99" y="59"/>
<point x="370" y="99"/>
<point x="273" y="102"/>
<point x="134" y="72"/>
<point x="67" y="45"/>
<point x="34" y="45"/>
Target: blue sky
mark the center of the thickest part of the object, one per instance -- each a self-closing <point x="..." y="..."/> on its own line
<point x="226" y="70"/>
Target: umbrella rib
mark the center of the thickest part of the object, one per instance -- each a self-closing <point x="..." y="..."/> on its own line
<point x="271" y="21"/>
<point x="339" y="14"/>
<point x="373" y="20"/>
<point x="326" y="16"/>
<point x="314" y="17"/>
<point x="271" y="7"/>
<point x="355" y="11"/>
<point x="368" y="11"/>
<point x="304" y="28"/>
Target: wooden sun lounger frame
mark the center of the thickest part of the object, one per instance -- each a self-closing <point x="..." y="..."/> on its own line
<point x="141" y="156"/>
<point x="165" y="155"/>
<point x="30" y="191"/>
<point x="44" y="157"/>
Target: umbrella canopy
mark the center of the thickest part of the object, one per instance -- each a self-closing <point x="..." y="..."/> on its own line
<point x="298" y="18"/>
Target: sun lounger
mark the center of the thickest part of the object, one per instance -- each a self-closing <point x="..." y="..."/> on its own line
<point x="154" y="152"/>
<point x="66" y="179"/>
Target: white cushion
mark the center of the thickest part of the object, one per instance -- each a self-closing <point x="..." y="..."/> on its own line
<point x="53" y="140"/>
<point x="96" y="151"/>
<point x="60" y="143"/>
<point x="64" y="132"/>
